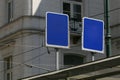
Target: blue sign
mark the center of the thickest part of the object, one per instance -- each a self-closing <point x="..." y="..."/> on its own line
<point x="57" y="30"/>
<point x="93" y="35"/>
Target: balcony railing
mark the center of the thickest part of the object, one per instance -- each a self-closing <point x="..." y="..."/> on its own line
<point x="75" y="26"/>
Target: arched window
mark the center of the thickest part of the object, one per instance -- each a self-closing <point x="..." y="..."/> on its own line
<point x="73" y="60"/>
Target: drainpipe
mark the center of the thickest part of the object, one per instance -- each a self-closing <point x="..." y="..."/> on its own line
<point x="107" y="26"/>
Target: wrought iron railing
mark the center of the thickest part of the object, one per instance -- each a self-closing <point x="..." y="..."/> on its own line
<point x="75" y="26"/>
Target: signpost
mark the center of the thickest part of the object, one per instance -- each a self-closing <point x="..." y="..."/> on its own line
<point x="57" y="32"/>
<point x="93" y="35"/>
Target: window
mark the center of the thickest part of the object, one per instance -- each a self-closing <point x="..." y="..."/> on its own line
<point x="9" y="76"/>
<point x="8" y="68"/>
<point x="73" y="60"/>
<point x="77" y="12"/>
<point x="75" y="39"/>
<point x="73" y="9"/>
<point x="10" y="10"/>
<point x="66" y="8"/>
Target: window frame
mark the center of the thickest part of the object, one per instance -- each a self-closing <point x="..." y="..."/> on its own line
<point x="72" y="54"/>
<point x="75" y="24"/>
<point x="71" y="7"/>
<point x="9" y="10"/>
<point x="8" y="67"/>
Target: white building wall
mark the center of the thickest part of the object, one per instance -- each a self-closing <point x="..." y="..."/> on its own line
<point x="40" y="7"/>
<point x="35" y="53"/>
<point x="93" y="9"/>
<point x="21" y="8"/>
<point x="114" y="12"/>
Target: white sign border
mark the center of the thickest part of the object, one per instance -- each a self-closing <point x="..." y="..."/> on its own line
<point x="57" y="46"/>
<point x="86" y="49"/>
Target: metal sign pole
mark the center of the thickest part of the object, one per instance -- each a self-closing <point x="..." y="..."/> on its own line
<point x="93" y="56"/>
<point x="57" y="59"/>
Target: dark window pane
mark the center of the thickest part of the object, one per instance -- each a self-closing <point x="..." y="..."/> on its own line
<point x="77" y="12"/>
<point x="77" y="0"/>
<point x="73" y="60"/>
<point x="9" y="11"/>
<point x="8" y="63"/>
<point x="8" y="76"/>
<point x="66" y="8"/>
<point x="77" y="8"/>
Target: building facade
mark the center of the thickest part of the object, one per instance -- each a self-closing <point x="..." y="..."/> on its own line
<point x="22" y="35"/>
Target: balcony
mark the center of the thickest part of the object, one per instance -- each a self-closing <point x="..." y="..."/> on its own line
<point x="75" y="26"/>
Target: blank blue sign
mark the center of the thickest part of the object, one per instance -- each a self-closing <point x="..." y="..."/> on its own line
<point x="93" y="35"/>
<point x="57" y="30"/>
